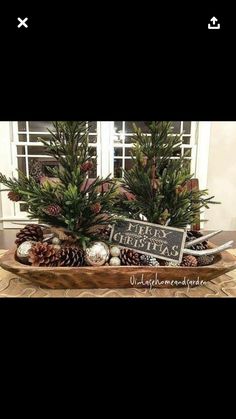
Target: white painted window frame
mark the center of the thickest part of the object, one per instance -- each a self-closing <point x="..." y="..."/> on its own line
<point x="203" y="136"/>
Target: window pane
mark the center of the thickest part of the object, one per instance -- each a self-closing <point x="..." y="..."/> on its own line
<point x="92" y="138"/>
<point x="176" y="126"/>
<point x="128" y="164"/>
<point x="34" y="150"/>
<point x="118" y="151"/>
<point x="129" y="126"/>
<point x="21" y="125"/>
<point x="187" y="165"/>
<point x="176" y="152"/>
<point x="23" y="207"/>
<point x="129" y="139"/>
<point x="187" y="127"/>
<point x="117" y="168"/>
<point x="118" y="126"/>
<point x="143" y="125"/>
<point x="21" y="164"/>
<point x="186" y="139"/>
<point x="118" y="139"/>
<point x="187" y="152"/>
<point x="128" y="151"/>
<point x="93" y="173"/>
<point x="22" y="138"/>
<point x="92" y="126"/>
<point x="39" y="126"/>
<point x="21" y="149"/>
<point x="35" y="138"/>
<point x="93" y="151"/>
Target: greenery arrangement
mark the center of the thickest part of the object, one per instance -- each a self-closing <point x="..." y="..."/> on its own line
<point x="71" y="201"/>
<point x="157" y="183"/>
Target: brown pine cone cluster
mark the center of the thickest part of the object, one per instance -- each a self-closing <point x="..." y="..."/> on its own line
<point x="104" y="233"/>
<point x="189" y="260"/>
<point x="71" y="256"/>
<point x="30" y="232"/>
<point x="96" y="207"/>
<point x="14" y="196"/>
<point x="86" y="166"/>
<point x="44" y="254"/>
<point x="205" y="260"/>
<point x="48" y="255"/>
<point x="129" y="257"/>
<point x="194" y="234"/>
<point x="54" y="210"/>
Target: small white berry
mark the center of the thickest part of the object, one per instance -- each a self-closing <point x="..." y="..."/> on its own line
<point x="115" y="251"/>
<point x="114" y="261"/>
<point x="56" y="240"/>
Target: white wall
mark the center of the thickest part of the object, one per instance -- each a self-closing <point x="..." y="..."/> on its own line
<point x="221" y="176"/>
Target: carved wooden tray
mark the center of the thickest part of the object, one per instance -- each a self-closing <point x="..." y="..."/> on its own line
<point x="120" y="276"/>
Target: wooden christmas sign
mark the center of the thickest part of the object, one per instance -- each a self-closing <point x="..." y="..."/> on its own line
<point x="150" y="239"/>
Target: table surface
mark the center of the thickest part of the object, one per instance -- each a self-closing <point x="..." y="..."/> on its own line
<point x="12" y="286"/>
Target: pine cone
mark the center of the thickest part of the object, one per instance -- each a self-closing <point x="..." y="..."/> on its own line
<point x="96" y="208"/>
<point x="36" y="170"/>
<point x="54" y="210"/>
<point x="205" y="260"/>
<point x="44" y="254"/>
<point x="189" y="260"/>
<point x="14" y="196"/>
<point x="85" y="167"/>
<point x="29" y="232"/>
<point x="71" y="256"/>
<point x="129" y="257"/>
<point x="146" y="260"/>
<point x="194" y="234"/>
<point x="104" y="233"/>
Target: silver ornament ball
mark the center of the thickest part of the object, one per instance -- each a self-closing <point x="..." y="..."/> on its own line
<point x="115" y="261"/>
<point x="172" y="264"/>
<point x="115" y="251"/>
<point x="153" y="262"/>
<point x="22" y="252"/>
<point x="97" y="254"/>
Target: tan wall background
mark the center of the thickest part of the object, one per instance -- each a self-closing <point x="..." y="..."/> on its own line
<point x="221" y="178"/>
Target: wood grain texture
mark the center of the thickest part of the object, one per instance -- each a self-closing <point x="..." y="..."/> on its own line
<point x="117" y="277"/>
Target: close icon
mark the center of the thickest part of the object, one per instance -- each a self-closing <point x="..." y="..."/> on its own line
<point x="22" y="22"/>
<point x="213" y="25"/>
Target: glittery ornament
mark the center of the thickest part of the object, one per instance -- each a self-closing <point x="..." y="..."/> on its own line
<point x="171" y="263"/>
<point x="115" y="251"/>
<point x="153" y="262"/>
<point x="22" y="252"/>
<point x="115" y="261"/>
<point x="97" y="254"/>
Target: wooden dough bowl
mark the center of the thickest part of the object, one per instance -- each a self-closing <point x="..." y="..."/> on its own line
<point x="120" y="276"/>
